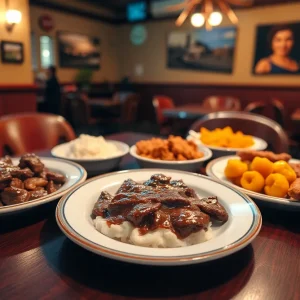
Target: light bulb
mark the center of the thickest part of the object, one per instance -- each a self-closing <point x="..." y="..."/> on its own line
<point x="46" y="53"/>
<point x="197" y="20"/>
<point x="13" y="16"/>
<point x="215" y="18"/>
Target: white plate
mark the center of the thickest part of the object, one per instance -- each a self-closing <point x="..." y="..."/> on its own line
<point x="93" y="166"/>
<point x="215" y="169"/>
<point x="74" y="218"/>
<point x="192" y="165"/>
<point x="74" y="173"/>
<point x="259" y="144"/>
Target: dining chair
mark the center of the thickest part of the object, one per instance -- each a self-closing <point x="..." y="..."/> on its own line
<point x="248" y="123"/>
<point x="28" y="132"/>
<point x="222" y="103"/>
<point x="81" y="113"/>
<point x="129" y="109"/>
<point x="280" y="117"/>
<point x="160" y="103"/>
<point x="279" y="111"/>
<point x="256" y="107"/>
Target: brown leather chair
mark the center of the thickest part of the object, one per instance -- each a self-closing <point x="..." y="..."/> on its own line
<point x="248" y="123"/>
<point x="280" y="117"/>
<point x="29" y="132"/>
<point x="256" y="107"/>
<point x="219" y="103"/>
<point x="160" y="103"/>
<point x="279" y="112"/>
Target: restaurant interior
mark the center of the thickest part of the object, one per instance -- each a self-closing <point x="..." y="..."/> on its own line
<point x="158" y="139"/>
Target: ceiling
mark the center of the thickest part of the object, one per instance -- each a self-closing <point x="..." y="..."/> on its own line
<point x="120" y="5"/>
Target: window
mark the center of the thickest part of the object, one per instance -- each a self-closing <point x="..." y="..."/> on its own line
<point x="46" y="49"/>
<point x="34" y="61"/>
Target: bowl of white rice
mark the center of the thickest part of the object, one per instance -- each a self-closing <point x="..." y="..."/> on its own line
<point x="95" y="154"/>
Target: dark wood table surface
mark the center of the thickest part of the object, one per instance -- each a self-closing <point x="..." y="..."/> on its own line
<point x="189" y="111"/>
<point x="38" y="262"/>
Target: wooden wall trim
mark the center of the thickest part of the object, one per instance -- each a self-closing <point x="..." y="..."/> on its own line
<point x="179" y="85"/>
<point x="18" y="88"/>
<point x="175" y="85"/>
<point x="75" y="11"/>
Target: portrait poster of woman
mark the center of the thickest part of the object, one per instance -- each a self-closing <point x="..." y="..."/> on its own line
<point x="277" y="49"/>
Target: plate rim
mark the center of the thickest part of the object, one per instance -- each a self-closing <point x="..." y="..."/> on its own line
<point x="48" y="198"/>
<point x="214" y="148"/>
<point x="156" y="260"/>
<point x="91" y="160"/>
<point x="258" y="196"/>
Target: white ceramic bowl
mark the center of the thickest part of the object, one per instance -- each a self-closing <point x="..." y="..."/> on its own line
<point x="259" y="144"/>
<point x="192" y="165"/>
<point x="94" y="166"/>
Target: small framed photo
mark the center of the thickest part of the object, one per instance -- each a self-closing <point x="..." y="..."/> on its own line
<point x="12" y="52"/>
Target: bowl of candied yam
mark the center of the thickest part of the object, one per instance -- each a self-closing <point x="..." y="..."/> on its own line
<point x="224" y="141"/>
<point x="171" y="153"/>
<point x="263" y="175"/>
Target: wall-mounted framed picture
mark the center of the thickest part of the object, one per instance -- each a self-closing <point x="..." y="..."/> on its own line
<point x="277" y="49"/>
<point x="12" y="52"/>
<point x="77" y="50"/>
<point x="202" y="50"/>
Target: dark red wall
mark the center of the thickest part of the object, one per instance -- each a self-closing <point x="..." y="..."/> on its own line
<point x="17" y="99"/>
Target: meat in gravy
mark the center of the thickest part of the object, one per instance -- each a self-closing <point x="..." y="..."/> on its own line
<point x="159" y="203"/>
<point x="28" y="181"/>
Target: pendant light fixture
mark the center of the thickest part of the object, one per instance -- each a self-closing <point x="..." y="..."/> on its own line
<point x="207" y="15"/>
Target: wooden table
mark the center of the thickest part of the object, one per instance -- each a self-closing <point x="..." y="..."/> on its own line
<point x="189" y="111"/>
<point x="103" y="102"/>
<point x="38" y="262"/>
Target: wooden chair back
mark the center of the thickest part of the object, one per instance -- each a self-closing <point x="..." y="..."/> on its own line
<point x="219" y="103"/>
<point x="161" y="102"/>
<point x="248" y="123"/>
<point x="279" y="112"/>
<point x="129" y="109"/>
<point x="29" y="132"/>
<point x="256" y="107"/>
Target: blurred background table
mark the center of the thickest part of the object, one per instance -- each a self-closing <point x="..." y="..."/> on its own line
<point x="38" y="261"/>
<point x="190" y="111"/>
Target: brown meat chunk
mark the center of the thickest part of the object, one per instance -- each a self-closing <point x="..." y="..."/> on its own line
<point x="5" y="175"/>
<point x="294" y="190"/>
<point x="188" y="221"/>
<point x="250" y="155"/>
<point x="140" y="212"/>
<point x="38" y="193"/>
<point x="51" y="187"/>
<point x="56" y="177"/>
<point x="6" y="159"/>
<point x="17" y="183"/>
<point x="34" y="182"/>
<point x="12" y="195"/>
<point x="22" y="173"/>
<point x="212" y="207"/>
<point x="101" y="206"/>
<point x="31" y="161"/>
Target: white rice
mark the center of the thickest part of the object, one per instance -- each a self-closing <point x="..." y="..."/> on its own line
<point x="159" y="238"/>
<point x="87" y="146"/>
